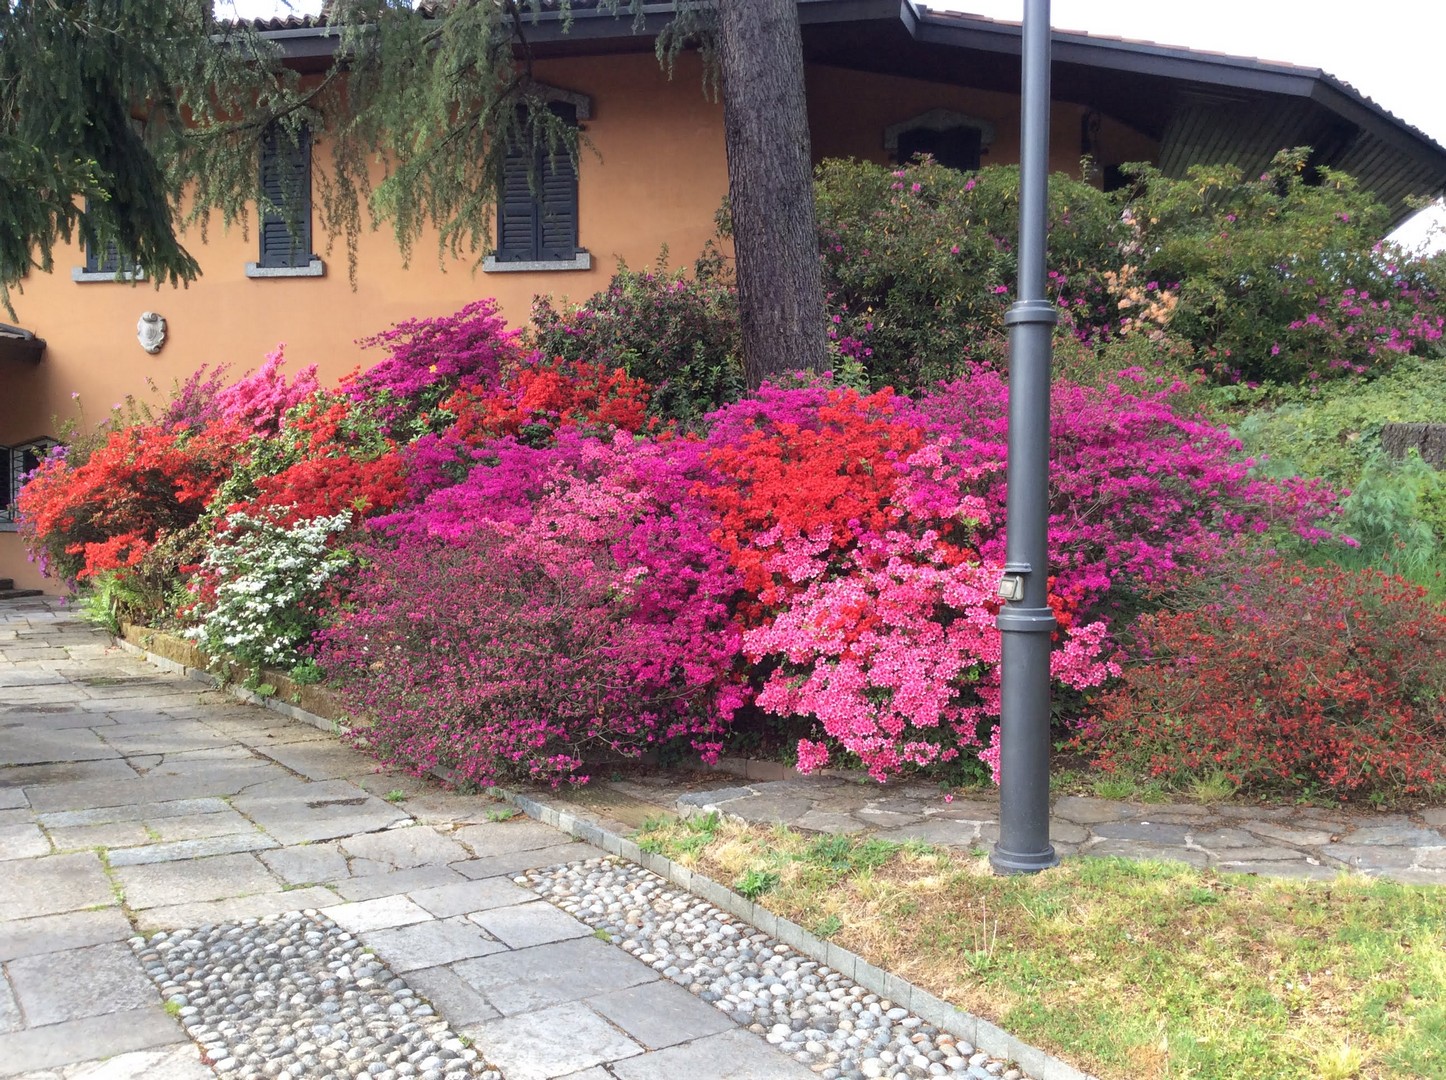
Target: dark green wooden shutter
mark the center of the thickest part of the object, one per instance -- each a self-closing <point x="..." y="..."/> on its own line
<point x="286" y="183"/>
<point x="557" y="229"/>
<point x="104" y="261"/>
<point x="516" y="210"/>
<point x="538" y="225"/>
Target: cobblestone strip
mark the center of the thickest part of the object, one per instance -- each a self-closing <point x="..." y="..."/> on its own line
<point x="808" y="1010"/>
<point x="296" y="997"/>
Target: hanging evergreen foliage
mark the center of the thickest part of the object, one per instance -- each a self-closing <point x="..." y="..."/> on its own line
<point x="123" y="121"/>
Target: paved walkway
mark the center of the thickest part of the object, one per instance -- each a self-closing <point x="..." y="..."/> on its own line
<point x="134" y="801"/>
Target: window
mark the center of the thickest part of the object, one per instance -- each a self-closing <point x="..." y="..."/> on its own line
<point x="285" y="211"/>
<point x="17" y="463"/>
<point x="951" y="139"/>
<point x="537" y="226"/>
<point x="103" y="262"/>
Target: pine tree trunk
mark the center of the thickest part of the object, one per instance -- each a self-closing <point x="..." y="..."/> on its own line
<point x="770" y="187"/>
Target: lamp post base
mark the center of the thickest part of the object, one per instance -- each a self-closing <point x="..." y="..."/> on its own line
<point x="1018" y="862"/>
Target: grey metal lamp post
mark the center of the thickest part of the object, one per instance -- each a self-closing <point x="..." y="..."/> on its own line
<point x="1026" y="621"/>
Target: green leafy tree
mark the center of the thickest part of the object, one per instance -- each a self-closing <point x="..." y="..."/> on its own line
<point x="122" y="120"/>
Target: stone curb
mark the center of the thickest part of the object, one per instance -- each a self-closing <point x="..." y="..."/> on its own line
<point x="984" y="1035"/>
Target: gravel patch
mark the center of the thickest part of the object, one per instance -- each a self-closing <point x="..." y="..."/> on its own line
<point x="818" y="1017"/>
<point x="296" y="997"/>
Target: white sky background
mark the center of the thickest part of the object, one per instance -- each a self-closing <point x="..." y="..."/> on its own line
<point x="1390" y="50"/>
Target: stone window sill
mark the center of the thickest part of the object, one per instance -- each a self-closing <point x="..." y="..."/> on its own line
<point x="581" y="261"/>
<point x="84" y="276"/>
<point x="315" y="268"/>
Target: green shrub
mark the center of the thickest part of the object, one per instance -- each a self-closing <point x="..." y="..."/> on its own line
<point x="1281" y="277"/>
<point x="1334" y="430"/>
<point x="920" y="263"/>
<point x="676" y="332"/>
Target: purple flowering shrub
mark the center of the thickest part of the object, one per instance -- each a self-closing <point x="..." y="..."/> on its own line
<point x="427" y="359"/>
<point x="1138" y="490"/>
<point x="557" y="604"/>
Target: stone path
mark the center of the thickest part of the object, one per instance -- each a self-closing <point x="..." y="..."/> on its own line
<point x="134" y="803"/>
<point x="1285" y="841"/>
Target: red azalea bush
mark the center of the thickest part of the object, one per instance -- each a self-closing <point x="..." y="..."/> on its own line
<point x="142" y="485"/>
<point x="538" y="396"/>
<point x="869" y="608"/>
<point x="1295" y="678"/>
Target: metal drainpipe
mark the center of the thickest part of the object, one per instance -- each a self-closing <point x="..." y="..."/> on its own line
<point x="1026" y="621"/>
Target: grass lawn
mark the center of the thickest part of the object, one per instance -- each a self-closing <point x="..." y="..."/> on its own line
<point x="1127" y="969"/>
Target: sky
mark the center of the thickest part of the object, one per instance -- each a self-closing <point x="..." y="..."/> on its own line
<point x="1390" y="50"/>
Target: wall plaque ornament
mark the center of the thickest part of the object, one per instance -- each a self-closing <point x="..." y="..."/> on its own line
<point x="151" y="332"/>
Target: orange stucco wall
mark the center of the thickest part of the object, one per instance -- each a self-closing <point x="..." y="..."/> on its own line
<point x="658" y="176"/>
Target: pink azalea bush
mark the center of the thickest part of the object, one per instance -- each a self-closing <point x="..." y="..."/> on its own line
<point x="258" y="401"/>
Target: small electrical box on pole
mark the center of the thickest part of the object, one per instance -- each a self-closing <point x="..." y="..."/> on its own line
<point x="1026" y="621"/>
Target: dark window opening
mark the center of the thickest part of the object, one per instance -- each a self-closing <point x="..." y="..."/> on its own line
<point x="954" y="147"/>
<point x="538" y="224"/>
<point x="16" y="465"/>
<point x="1116" y="178"/>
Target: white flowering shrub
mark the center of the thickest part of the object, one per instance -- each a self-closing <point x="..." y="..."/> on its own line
<point x="259" y="589"/>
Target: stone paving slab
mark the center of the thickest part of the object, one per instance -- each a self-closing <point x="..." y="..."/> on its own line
<point x="22" y="842"/>
<point x="232" y="909"/>
<point x="57" y="933"/>
<point x="39" y="746"/>
<point x="92" y="1037"/>
<point x="433" y="943"/>
<point x="54" y="884"/>
<point x="404" y="848"/>
<point x="216" y="878"/>
<point x="525" y="859"/>
<point x="732" y="1055"/>
<point x="553" y="1042"/>
<point x="176" y="1063"/>
<point x="468" y="897"/>
<point x="453" y="996"/>
<point x="71" y="985"/>
<point x="524" y="925"/>
<point x="547" y="975"/>
<point x="660" y="1014"/>
<point x="185" y="850"/>
<point x="300" y="811"/>
<point x="370" y="886"/>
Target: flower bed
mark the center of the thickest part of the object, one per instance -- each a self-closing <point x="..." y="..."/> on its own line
<point x="514" y="567"/>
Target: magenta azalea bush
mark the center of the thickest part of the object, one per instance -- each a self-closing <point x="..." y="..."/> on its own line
<point x="589" y="612"/>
